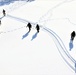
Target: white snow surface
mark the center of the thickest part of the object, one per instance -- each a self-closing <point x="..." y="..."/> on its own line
<point x="36" y="54"/>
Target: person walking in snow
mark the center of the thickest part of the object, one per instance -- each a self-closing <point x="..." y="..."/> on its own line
<point x="72" y="35"/>
<point x="37" y="28"/>
<point x="4" y="12"/>
<point x="0" y="22"/>
<point x="29" y="26"/>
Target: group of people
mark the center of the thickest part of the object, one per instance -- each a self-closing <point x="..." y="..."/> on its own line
<point x="73" y="34"/>
<point x="4" y="13"/>
<point x="30" y="26"/>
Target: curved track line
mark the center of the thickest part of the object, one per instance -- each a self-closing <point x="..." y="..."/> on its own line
<point x="58" y="42"/>
<point x="65" y="50"/>
<point x="64" y="55"/>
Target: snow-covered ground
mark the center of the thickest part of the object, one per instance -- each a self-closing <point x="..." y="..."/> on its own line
<point x="43" y="53"/>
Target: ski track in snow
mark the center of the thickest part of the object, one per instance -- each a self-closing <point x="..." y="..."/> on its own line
<point x="41" y="18"/>
<point x="59" y="19"/>
<point x="62" y="49"/>
<point x="60" y="45"/>
<point x="57" y="40"/>
<point x="51" y="14"/>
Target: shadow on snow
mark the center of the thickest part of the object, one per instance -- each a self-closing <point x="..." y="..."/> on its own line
<point x="1" y="17"/>
<point x="34" y="36"/>
<point x="7" y="2"/>
<point x="25" y="35"/>
<point x="70" y="44"/>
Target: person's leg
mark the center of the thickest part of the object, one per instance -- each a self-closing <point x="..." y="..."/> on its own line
<point x="38" y="31"/>
<point x="29" y="29"/>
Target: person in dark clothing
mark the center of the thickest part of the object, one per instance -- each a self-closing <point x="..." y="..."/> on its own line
<point x="4" y="12"/>
<point x="72" y="35"/>
<point x="29" y="26"/>
<point x="0" y="22"/>
<point x="37" y="28"/>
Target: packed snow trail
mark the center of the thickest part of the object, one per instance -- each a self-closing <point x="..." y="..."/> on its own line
<point x="59" y="44"/>
<point x="19" y="19"/>
<point x="62" y="50"/>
